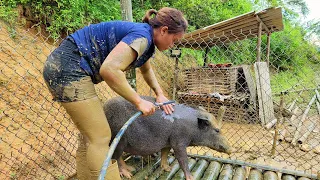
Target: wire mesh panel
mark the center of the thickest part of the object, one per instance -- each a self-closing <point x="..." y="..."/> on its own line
<point x="37" y="137"/>
<point x="263" y="120"/>
<point x="39" y="141"/>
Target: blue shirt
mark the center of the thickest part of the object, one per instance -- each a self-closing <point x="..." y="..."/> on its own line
<point x="96" y="41"/>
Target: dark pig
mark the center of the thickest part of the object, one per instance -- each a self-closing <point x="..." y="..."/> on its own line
<point x="160" y="132"/>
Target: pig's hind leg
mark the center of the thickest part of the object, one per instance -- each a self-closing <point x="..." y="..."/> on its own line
<point x="126" y="166"/>
<point x="164" y="159"/>
<point x="124" y="169"/>
<point x="181" y="154"/>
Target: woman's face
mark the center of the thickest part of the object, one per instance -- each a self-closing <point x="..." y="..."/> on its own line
<point x="165" y="40"/>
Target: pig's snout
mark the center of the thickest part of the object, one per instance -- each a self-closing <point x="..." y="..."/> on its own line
<point x="230" y="150"/>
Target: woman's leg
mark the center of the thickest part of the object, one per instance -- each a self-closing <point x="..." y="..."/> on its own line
<point x="89" y="117"/>
<point x="83" y="171"/>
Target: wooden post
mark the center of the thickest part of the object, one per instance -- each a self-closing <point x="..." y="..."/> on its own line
<point x="175" y="78"/>
<point x="126" y="10"/>
<point x="126" y="13"/>
<point x="205" y="63"/>
<point x="259" y="43"/>
<point x="275" y="138"/>
<point x="268" y="48"/>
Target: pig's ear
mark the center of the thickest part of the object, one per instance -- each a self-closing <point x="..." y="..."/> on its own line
<point x="203" y="123"/>
<point x="202" y="109"/>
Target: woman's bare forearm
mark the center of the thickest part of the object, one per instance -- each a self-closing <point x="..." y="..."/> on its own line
<point x="151" y="80"/>
<point x="117" y="81"/>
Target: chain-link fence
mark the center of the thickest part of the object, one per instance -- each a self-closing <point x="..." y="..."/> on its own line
<point x="267" y="122"/>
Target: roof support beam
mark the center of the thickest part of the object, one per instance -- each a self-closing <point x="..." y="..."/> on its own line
<point x="263" y="24"/>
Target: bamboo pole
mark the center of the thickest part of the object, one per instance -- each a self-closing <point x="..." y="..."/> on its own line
<point x="212" y="171"/>
<point x="271" y="123"/>
<point x="146" y="171"/>
<point x="282" y="135"/>
<point x="294" y="115"/>
<point x="288" y="177"/>
<point x="268" y="48"/>
<point x="199" y="169"/>
<point x="294" y="101"/>
<point x="303" y="178"/>
<point x="318" y="107"/>
<point x="175" y="78"/>
<point x="255" y="174"/>
<point x="240" y="173"/>
<point x="259" y="43"/>
<point x="270" y="175"/>
<point x="155" y="174"/>
<point x="317" y="102"/>
<point x="257" y="166"/>
<point x="317" y="94"/>
<point x="180" y="174"/>
<point x="169" y="175"/>
<point x="305" y="136"/>
<point x="226" y="172"/>
<point x="295" y="137"/>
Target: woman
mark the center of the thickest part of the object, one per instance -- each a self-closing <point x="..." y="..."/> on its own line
<point x="103" y="52"/>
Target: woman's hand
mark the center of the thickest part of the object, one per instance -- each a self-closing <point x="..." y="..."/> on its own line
<point x="168" y="109"/>
<point x="147" y="108"/>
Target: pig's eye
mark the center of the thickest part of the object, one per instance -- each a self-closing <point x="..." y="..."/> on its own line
<point x="203" y="123"/>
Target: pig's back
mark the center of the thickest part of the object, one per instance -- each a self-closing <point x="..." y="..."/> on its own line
<point x="148" y="134"/>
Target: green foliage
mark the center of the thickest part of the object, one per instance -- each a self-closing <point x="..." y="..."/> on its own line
<point x="203" y="13"/>
<point x="8" y="14"/>
<point x="304" y="77"/>
<point x="290" y="50"/>
<point x="65" y="16"/>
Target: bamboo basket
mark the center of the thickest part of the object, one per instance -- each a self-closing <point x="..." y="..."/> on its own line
<point x="210" y="80"/>
<point x="236" y="106"/>
<point x="201" y="83"/>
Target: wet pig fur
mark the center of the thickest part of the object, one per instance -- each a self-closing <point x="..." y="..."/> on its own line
<point x="150" y="134"/>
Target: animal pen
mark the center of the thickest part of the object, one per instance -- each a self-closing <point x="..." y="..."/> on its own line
<point x="276" y="135"/>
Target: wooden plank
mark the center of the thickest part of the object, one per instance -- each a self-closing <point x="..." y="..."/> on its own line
<point x="251" y="85"/>
<point x="266" y="111"/>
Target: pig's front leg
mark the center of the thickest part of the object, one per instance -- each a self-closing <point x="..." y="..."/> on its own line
<point x="181" y="155"/>
<point x="164" y="159"/>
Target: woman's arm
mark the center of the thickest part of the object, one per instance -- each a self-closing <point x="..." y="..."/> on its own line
<point x="150" y="78"/>
<point x="112" y="71"/>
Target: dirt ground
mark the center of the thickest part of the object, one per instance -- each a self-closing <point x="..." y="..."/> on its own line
<point x="38" y="140"/>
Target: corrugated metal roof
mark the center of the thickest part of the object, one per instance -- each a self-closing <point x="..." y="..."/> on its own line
<point x="234" y="29"/>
